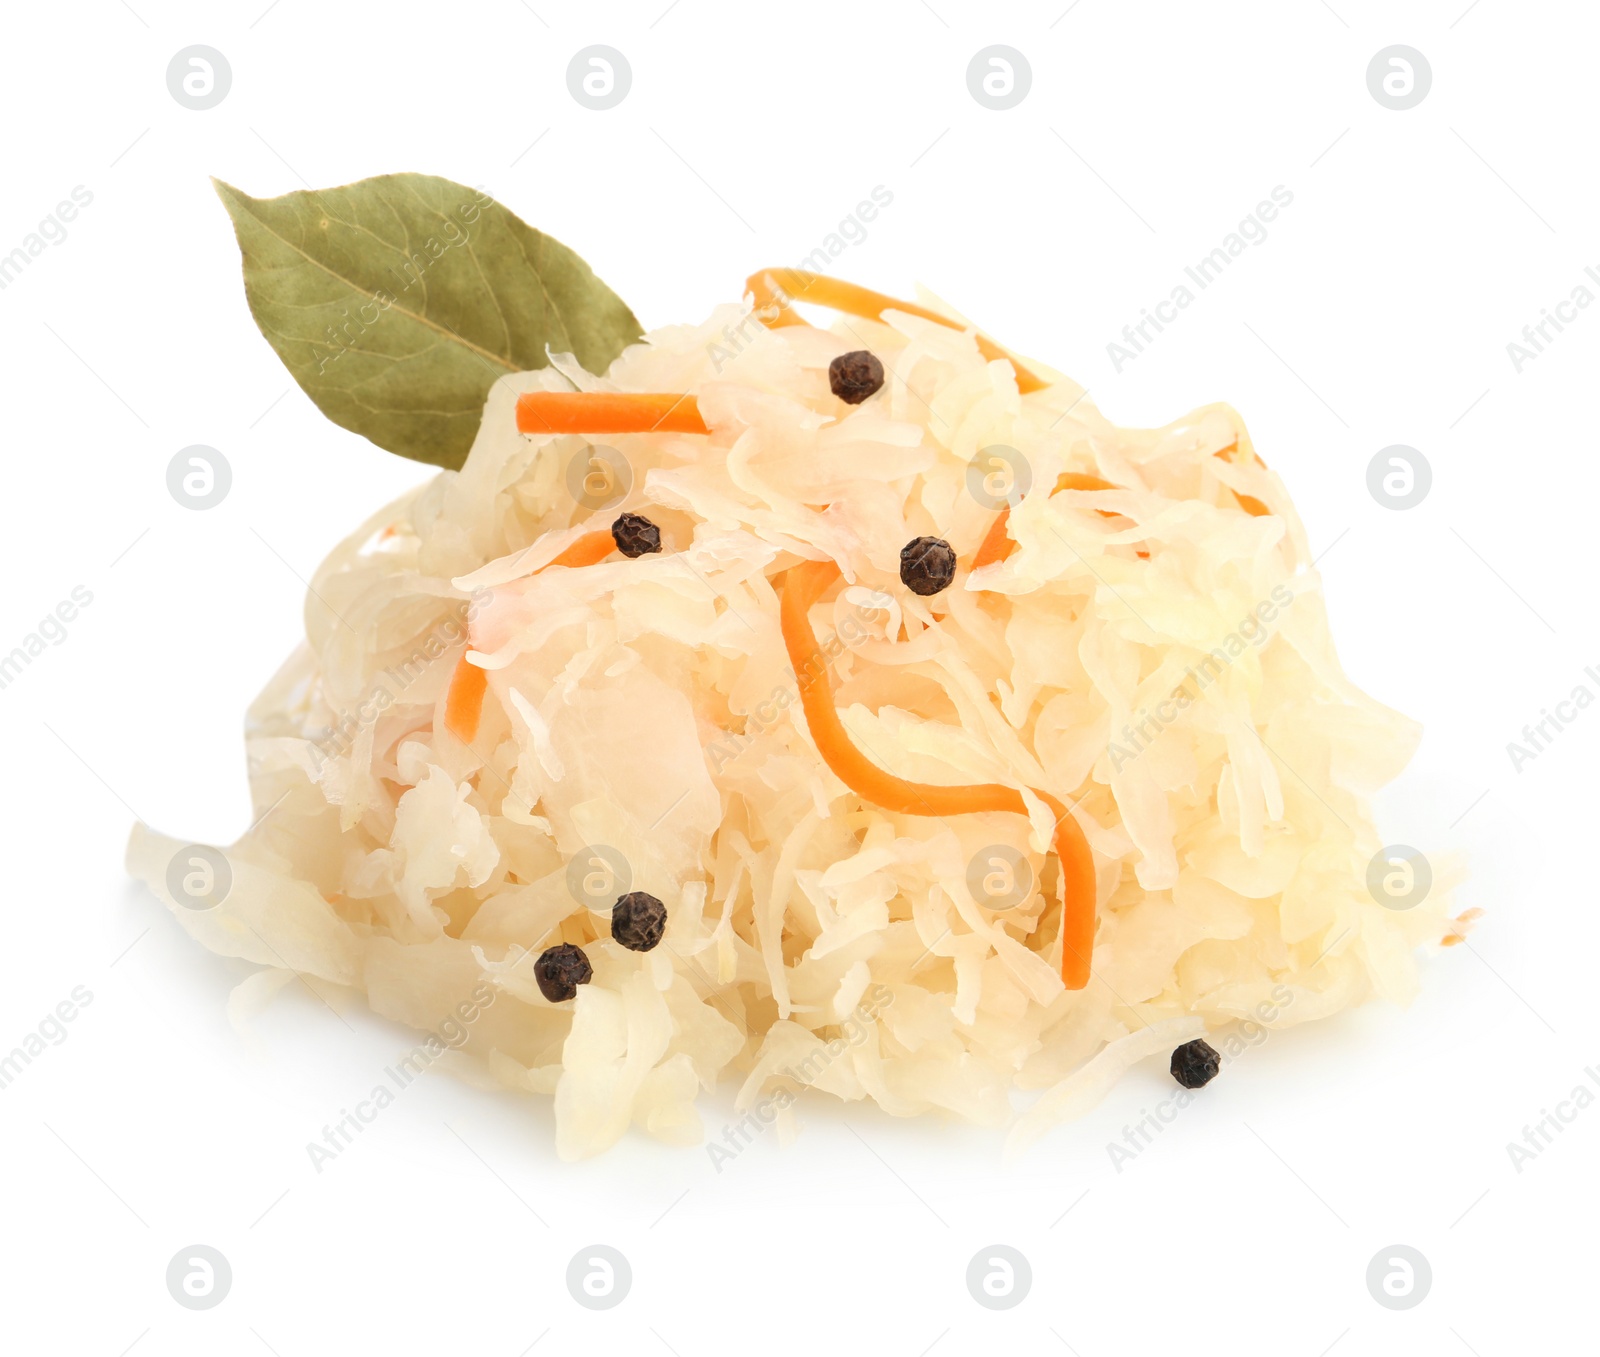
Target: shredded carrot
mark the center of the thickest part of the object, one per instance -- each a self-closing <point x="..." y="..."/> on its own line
<point x="1072" y="480"/>
<point x="774" y="289"/>
<point x="590" y="549"/>
<point x="996" y="545"/>
<point x="1462" y="924"/>
<point x="803" y="586"/>
<point x="608" y="412"/>
<point x="1249" y="503"/>
<point x="463" y="705"/>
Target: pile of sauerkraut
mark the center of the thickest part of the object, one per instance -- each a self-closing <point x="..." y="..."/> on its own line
<point x="1152" y="655"/>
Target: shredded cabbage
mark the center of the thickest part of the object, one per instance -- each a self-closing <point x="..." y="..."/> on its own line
<point x="641" y="721"/>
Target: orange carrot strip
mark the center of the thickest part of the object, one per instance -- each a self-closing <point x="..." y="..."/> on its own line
<point x="803" y="586"/>
<point x="1462" y="923"/>
<point x="608" y="412"/>
<point x="1249" y="503"/>
<point x="996" y="545"/>
<point x="463" y="705"/>
<point x="771" y="300"/>
<point x="1073" y="480"/>
<point x="590" y="549"/>
<point x="774" y="289"/>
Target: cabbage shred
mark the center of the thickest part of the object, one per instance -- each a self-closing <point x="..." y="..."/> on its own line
<point x="1150" y="654"/>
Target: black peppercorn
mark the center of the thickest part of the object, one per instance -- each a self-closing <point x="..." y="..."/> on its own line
<point x="636" y="535"/>
<point x="1195" y="1064"/>
<point x="638" y="920"/>
<point x="855" y="376"/>
<point x="560" y="970"/>
<point x="927" y="565"/>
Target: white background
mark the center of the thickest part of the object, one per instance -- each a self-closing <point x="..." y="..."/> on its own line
<point x="1378" y="311"/>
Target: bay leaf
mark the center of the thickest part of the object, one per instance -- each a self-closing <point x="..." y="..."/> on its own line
<point x="395" y="302"/>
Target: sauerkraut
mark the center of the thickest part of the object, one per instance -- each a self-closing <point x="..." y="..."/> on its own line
<point x="1152" y="655"/>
